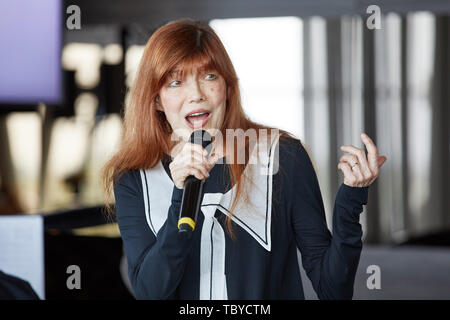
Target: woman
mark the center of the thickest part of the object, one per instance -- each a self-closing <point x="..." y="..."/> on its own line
<point x="254" y="214"/>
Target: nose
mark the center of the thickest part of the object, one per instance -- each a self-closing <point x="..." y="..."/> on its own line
<point x="195" y="91"/>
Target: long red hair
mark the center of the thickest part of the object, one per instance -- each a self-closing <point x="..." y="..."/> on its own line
<point x="183" y="43"/>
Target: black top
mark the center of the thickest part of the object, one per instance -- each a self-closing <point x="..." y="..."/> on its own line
<point x="284" y="211"/>
<point x="13" y="288"/>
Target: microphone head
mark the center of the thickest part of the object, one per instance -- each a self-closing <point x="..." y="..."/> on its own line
<point x="203" y="138"/>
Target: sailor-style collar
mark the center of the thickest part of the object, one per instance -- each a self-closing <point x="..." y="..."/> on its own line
<point x="253" y="216"/>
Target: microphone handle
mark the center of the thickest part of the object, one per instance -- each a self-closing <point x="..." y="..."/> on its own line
<point x="193" y="189"/>
<point x="190" y="204"/>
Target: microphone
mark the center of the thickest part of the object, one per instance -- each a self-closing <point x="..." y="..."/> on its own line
<point x="193" y="188"/>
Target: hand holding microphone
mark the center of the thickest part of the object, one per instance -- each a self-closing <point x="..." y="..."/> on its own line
<point x="189" y="168"/>
<point x="192" y="160"/>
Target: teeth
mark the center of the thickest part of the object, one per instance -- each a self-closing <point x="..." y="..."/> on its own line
<point x="196" y="114"/>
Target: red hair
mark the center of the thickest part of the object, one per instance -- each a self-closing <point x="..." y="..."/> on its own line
<point x="183" y="43"/>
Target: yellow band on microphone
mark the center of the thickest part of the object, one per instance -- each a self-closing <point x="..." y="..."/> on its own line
<point x="188" y="221"/>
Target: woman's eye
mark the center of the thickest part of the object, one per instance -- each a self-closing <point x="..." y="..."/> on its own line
<point x="174" y="83"/>
<point x="211" y="76"/>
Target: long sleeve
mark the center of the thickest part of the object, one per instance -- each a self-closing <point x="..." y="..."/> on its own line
<point x="330" y="261"/>
<point x="156" y="264"/>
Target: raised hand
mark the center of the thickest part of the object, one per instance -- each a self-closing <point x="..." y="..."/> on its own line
<point x="359" y="170"/>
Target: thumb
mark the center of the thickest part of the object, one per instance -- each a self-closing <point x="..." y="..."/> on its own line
<point x="212" y="160"/>
<point x="381" y="161"/>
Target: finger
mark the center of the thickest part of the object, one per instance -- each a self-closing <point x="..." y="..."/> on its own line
<point x="381" y="161"/>
<point x="361" y="155"/>
<point x="192" y="147"/>
<point x="350" y="158"/>
<point x="178" y="185"/>
<point x="201" y="159"/>
<point x="370" y="145"/>
<point x="187" y="161"/>
<point x="352" y="162"/>
<point x="194" y="158"/>
<point x="212" y="161"/>
<point x="349" y="177"/>
<point x="196" y="172"/>
<point x="203" y="168"/>
<point x="372" y="151"/>
<point x="360" y="179"/>
<point x="362" y="170"/>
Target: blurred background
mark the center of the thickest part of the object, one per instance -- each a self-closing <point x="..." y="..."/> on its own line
<point x="326" y="71"/>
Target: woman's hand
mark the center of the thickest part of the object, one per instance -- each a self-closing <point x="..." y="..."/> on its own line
<point x="358" y="170"/>
<point x="191" y="160"/>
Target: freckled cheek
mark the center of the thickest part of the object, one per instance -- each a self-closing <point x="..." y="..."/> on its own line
<point x="217" y="93"/>
<point x="172" y="104"/>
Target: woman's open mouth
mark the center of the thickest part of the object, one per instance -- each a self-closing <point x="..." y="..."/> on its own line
<point x="197" y="119"/>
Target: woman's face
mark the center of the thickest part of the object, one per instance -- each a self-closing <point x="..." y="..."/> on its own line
<point x="196" y="102"/>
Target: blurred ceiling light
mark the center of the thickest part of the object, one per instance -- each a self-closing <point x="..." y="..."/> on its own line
<point x="24" y="133"/>
<point x="68" y="147"/>
<point x="112" y="54"/>
<point x="86" y="107"/>
<point x="85" y="59"/>
<point x="132" y="59"/>
<point x="106" y="140"/>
